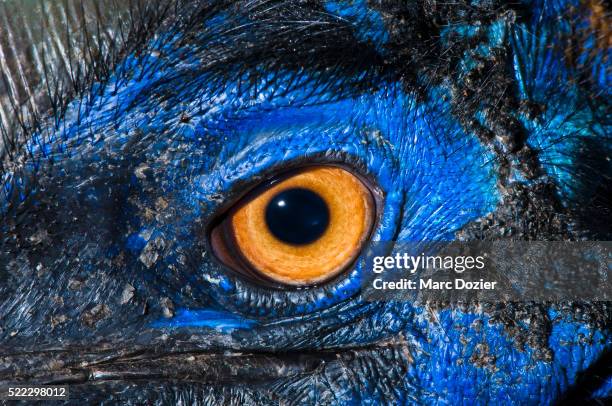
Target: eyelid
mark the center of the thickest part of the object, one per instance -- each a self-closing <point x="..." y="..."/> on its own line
<point x="240" y="172"/>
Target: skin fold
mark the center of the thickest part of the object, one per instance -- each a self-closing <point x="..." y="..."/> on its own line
<point x="477" y="120"/>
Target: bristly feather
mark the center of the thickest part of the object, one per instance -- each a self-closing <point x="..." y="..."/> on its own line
<point x="53" y="52"/>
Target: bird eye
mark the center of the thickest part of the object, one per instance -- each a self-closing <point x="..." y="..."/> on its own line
<point x="300" y="229"/>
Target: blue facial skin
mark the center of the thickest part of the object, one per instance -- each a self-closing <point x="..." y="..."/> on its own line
<point x="203" y="142"/>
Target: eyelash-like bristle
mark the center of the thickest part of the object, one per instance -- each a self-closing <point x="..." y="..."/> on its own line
<point x="60" y="51"/>
<point x="54" y="53"/>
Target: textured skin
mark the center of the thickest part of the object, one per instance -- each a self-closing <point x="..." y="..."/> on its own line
<point x="106" y="279"/>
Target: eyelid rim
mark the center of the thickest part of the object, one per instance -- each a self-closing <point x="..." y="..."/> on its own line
<point x="272" y="176"/>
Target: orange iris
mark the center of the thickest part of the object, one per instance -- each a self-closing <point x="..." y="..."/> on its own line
<point x="246" y="232"/>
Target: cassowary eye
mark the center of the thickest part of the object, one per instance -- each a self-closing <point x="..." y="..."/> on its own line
<point x="300" y="229"/>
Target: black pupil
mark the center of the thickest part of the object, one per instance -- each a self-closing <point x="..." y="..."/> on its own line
<point x="297" y="216"/>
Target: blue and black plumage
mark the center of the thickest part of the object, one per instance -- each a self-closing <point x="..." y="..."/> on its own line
<point x="478" y="120"/>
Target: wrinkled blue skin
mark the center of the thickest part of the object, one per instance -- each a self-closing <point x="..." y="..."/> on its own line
<point x="435" y="179"/>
